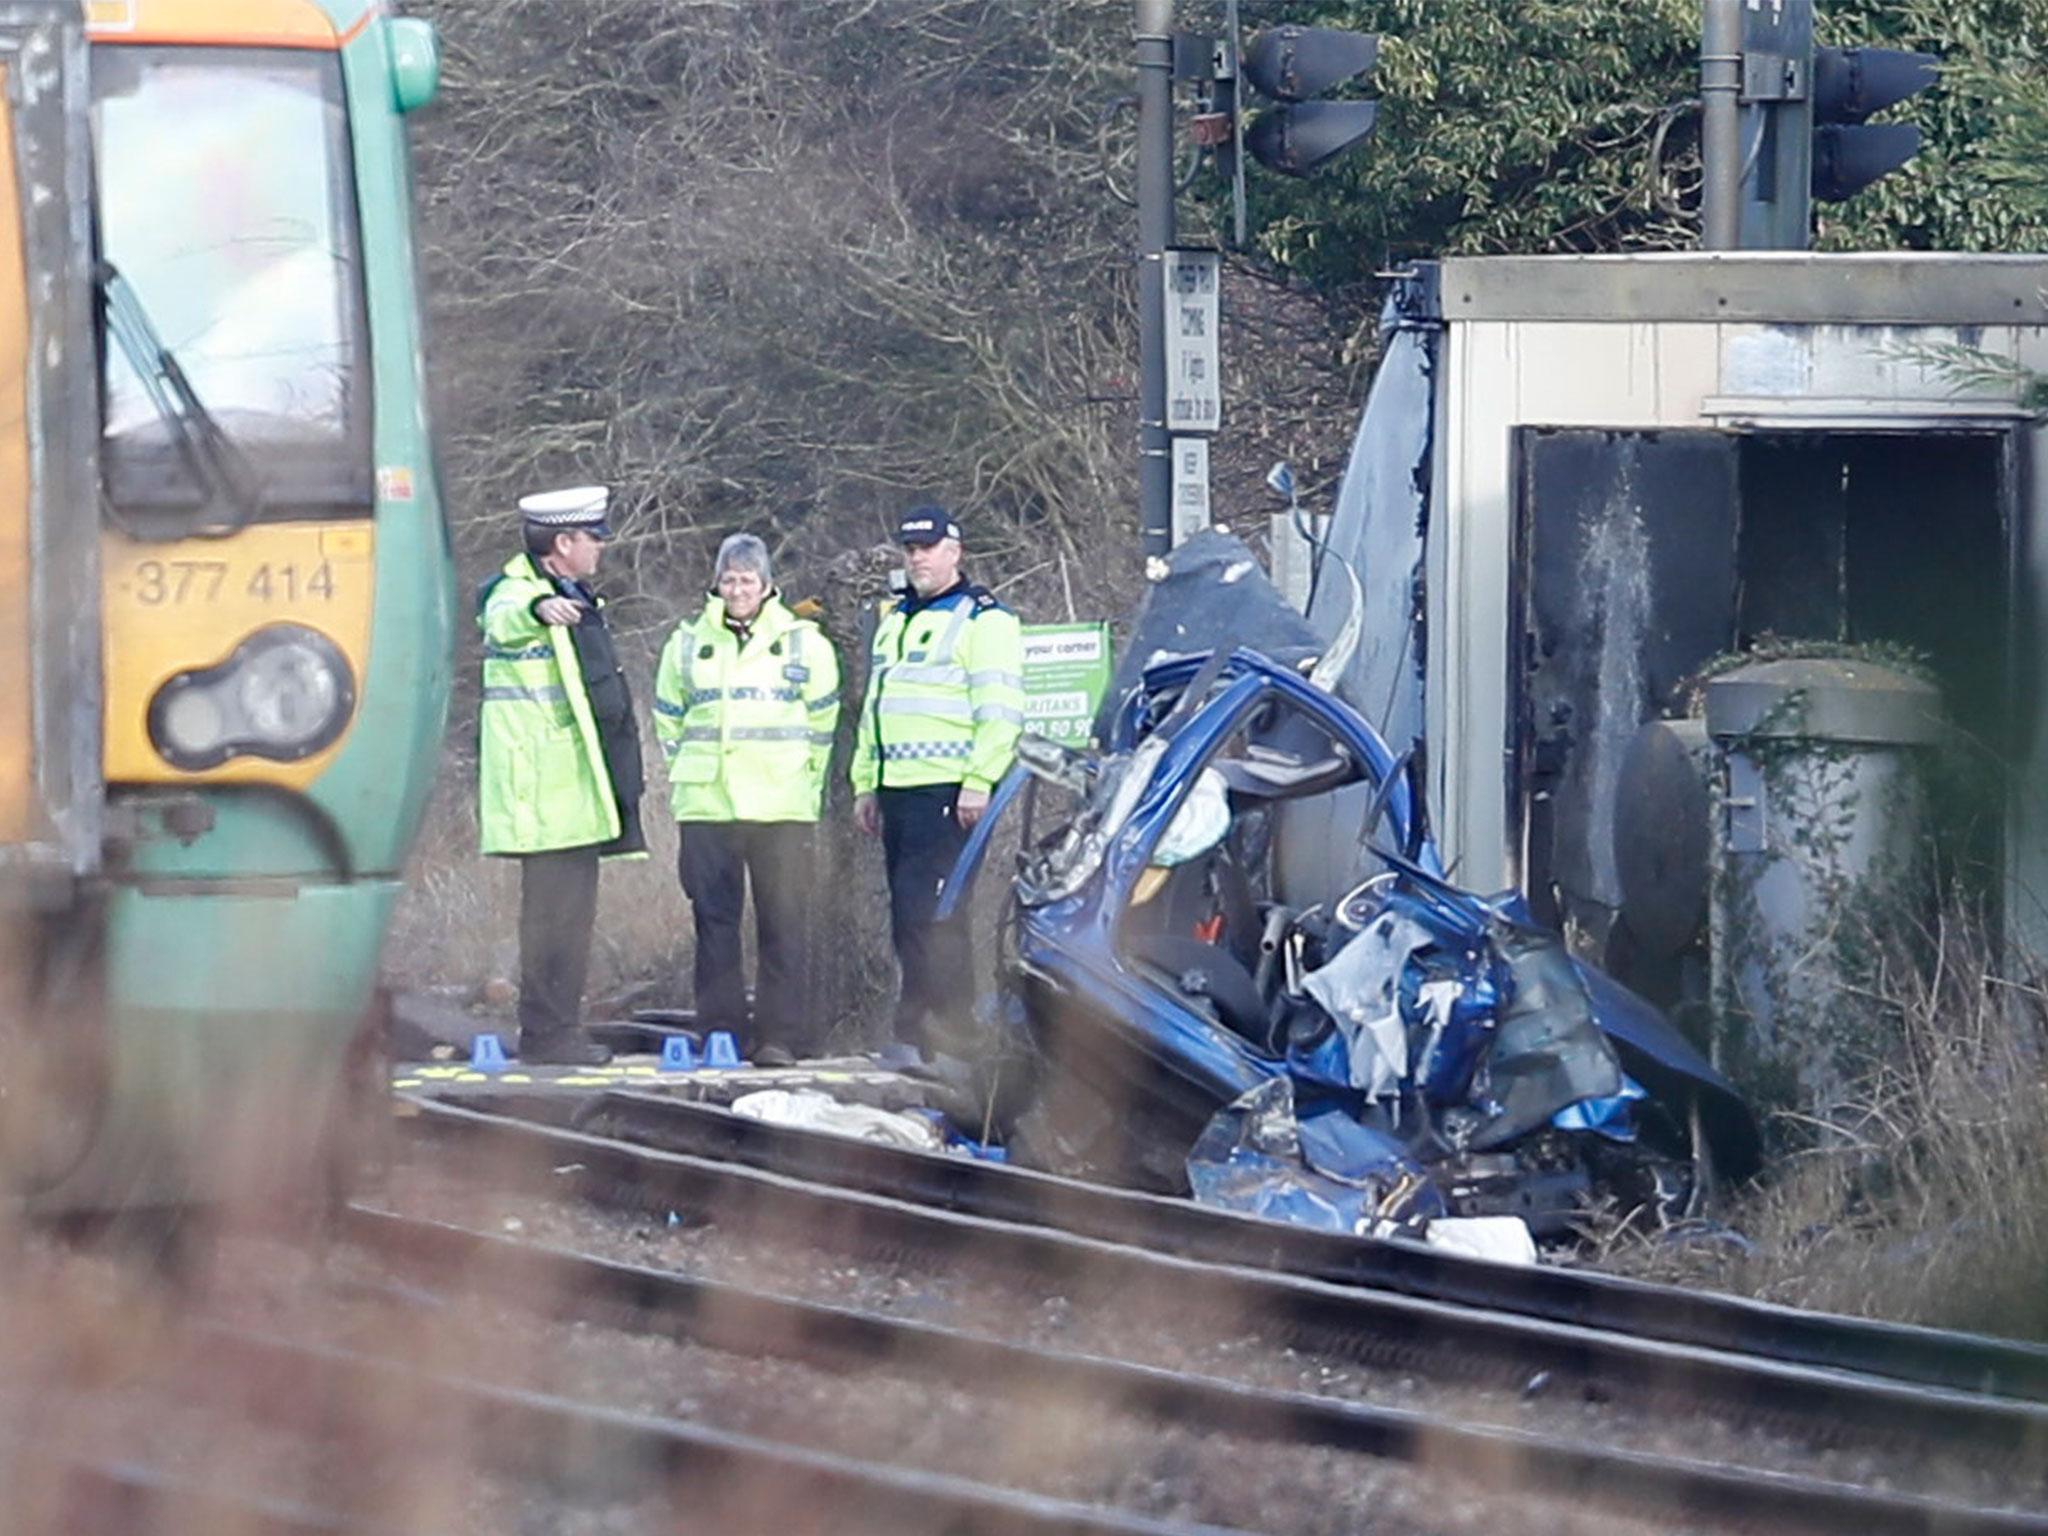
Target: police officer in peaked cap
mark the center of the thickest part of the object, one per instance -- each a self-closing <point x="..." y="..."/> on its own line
<point x="938" y="728"/>
<point x="559" y="769"/>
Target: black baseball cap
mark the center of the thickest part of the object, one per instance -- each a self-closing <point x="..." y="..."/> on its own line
<point x="926" y="525"/>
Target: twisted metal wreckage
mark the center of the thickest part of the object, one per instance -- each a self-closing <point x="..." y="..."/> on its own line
<point x="1240" y="939"/>
<point x="1576" y="482"/>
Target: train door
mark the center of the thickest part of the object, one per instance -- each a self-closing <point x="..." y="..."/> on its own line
<point x="51" y="793"/>
<point x="50" y="778"/>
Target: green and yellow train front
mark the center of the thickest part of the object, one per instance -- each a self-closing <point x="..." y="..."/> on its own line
<point x="274" y="583"/>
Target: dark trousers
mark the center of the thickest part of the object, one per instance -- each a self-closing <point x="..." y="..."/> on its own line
<point x="920" y="840"/>
<point x="717" y="860"/>
<point x="557" y="911"/>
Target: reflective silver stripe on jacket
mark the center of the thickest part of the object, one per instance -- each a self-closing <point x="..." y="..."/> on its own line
<point x="1005" y="712"/>
<point x="937" y="709"/>
<point x="996" y="677"/>
<point x="749" y="733"/>
<point x="962" y="612"/>
<point x="942" y="676"/>
<point x="936" y="665"/>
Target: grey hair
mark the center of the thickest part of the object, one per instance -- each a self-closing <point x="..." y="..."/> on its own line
<point x="746" y="552"/>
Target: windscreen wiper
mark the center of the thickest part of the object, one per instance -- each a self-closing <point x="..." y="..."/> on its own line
<point x="208" y="452"/>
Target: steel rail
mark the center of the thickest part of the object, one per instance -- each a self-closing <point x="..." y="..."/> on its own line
<point x="1498" y="1460"/>
<point x="576" y="1444"/>
<point x="1449" y="1340"/>
<point x="1959" y="1362"/>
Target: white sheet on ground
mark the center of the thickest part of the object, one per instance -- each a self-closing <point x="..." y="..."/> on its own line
<point x="1503" y="1239"/>
<point x="809" y="1110"/>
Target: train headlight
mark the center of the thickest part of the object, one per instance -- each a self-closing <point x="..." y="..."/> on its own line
<point x="288" y="693"/>
<point x="284" y="694"/>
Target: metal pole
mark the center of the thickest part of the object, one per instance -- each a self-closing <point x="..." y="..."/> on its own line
<point x="1721" y="125"/>
<point x="1153" y="34"/>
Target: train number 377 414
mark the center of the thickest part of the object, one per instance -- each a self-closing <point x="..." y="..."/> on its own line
<point x="157" y="582"/>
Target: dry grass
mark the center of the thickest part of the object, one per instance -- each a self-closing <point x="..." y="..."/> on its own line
<point x="456" y="928"/>
<point x="1929" y="1202"/>
<point x="457" y="923"/>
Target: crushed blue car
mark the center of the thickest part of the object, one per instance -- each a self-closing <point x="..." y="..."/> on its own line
<point x="1207" y="1009"/>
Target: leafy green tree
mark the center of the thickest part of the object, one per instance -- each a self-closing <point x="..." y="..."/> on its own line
<point x="1528" y="125"/>
<point x="1504" y="125"/>
<point x="1961" y="192"/>
<point x="2006" y="102"/>
<point x="2011" y="86"/>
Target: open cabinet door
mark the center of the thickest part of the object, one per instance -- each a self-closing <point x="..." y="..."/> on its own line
<point x="1623" y="582"/>
<point x="51" y="793"/>
<point x="2023" y="492"/>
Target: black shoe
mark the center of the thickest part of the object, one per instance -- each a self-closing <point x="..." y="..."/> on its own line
<point x="570" y="1050"/>
<point x="773" y="1056"/>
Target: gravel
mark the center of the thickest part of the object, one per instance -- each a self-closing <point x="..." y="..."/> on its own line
<point x="103" y="1360"/>
<point x="99" y="1359"/>
<point x="1163" y="1330"/>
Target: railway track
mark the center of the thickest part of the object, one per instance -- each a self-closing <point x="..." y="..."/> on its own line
<point x="399" y="1348"/>
<point x="1452" y="1339"/>
<point x="1508" y="1353"/>
<point x="576" y="1445"/>
<point x="1929" y="1357"/>
<point x="569" y="1455"/>
<point x="1665" y="1491"/>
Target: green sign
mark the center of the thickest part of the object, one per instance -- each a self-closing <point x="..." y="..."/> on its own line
<point x="1067" y="669"/>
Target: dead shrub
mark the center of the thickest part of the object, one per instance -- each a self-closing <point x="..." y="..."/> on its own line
<point x="791" y="267"/>
<point x="1928" y="1200"/>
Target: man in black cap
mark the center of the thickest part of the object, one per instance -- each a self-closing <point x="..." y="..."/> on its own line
<point x="559" y="769"/>
<point x="938" y="728"/>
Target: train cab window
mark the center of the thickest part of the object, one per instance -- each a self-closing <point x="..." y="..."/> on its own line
<point x="227" y="205"/>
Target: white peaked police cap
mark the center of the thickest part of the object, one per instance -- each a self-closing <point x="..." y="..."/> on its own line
<point x="581" y="506"/>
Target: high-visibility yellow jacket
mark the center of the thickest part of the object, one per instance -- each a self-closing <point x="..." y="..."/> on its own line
<point x="747" y="729"/>
<point x="542" y="782"/>
<point x="945" y="699"/>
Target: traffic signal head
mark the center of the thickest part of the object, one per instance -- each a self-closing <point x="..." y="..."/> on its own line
<point x="1803" y="130"/>
<point x="1849" y="84"/>
<point x="1296" y="139"/>
<point x="1292" y="64"/>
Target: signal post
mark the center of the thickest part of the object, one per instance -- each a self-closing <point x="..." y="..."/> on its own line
<point x="1786" y="121"/>
<point x="1290" y="66"/>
